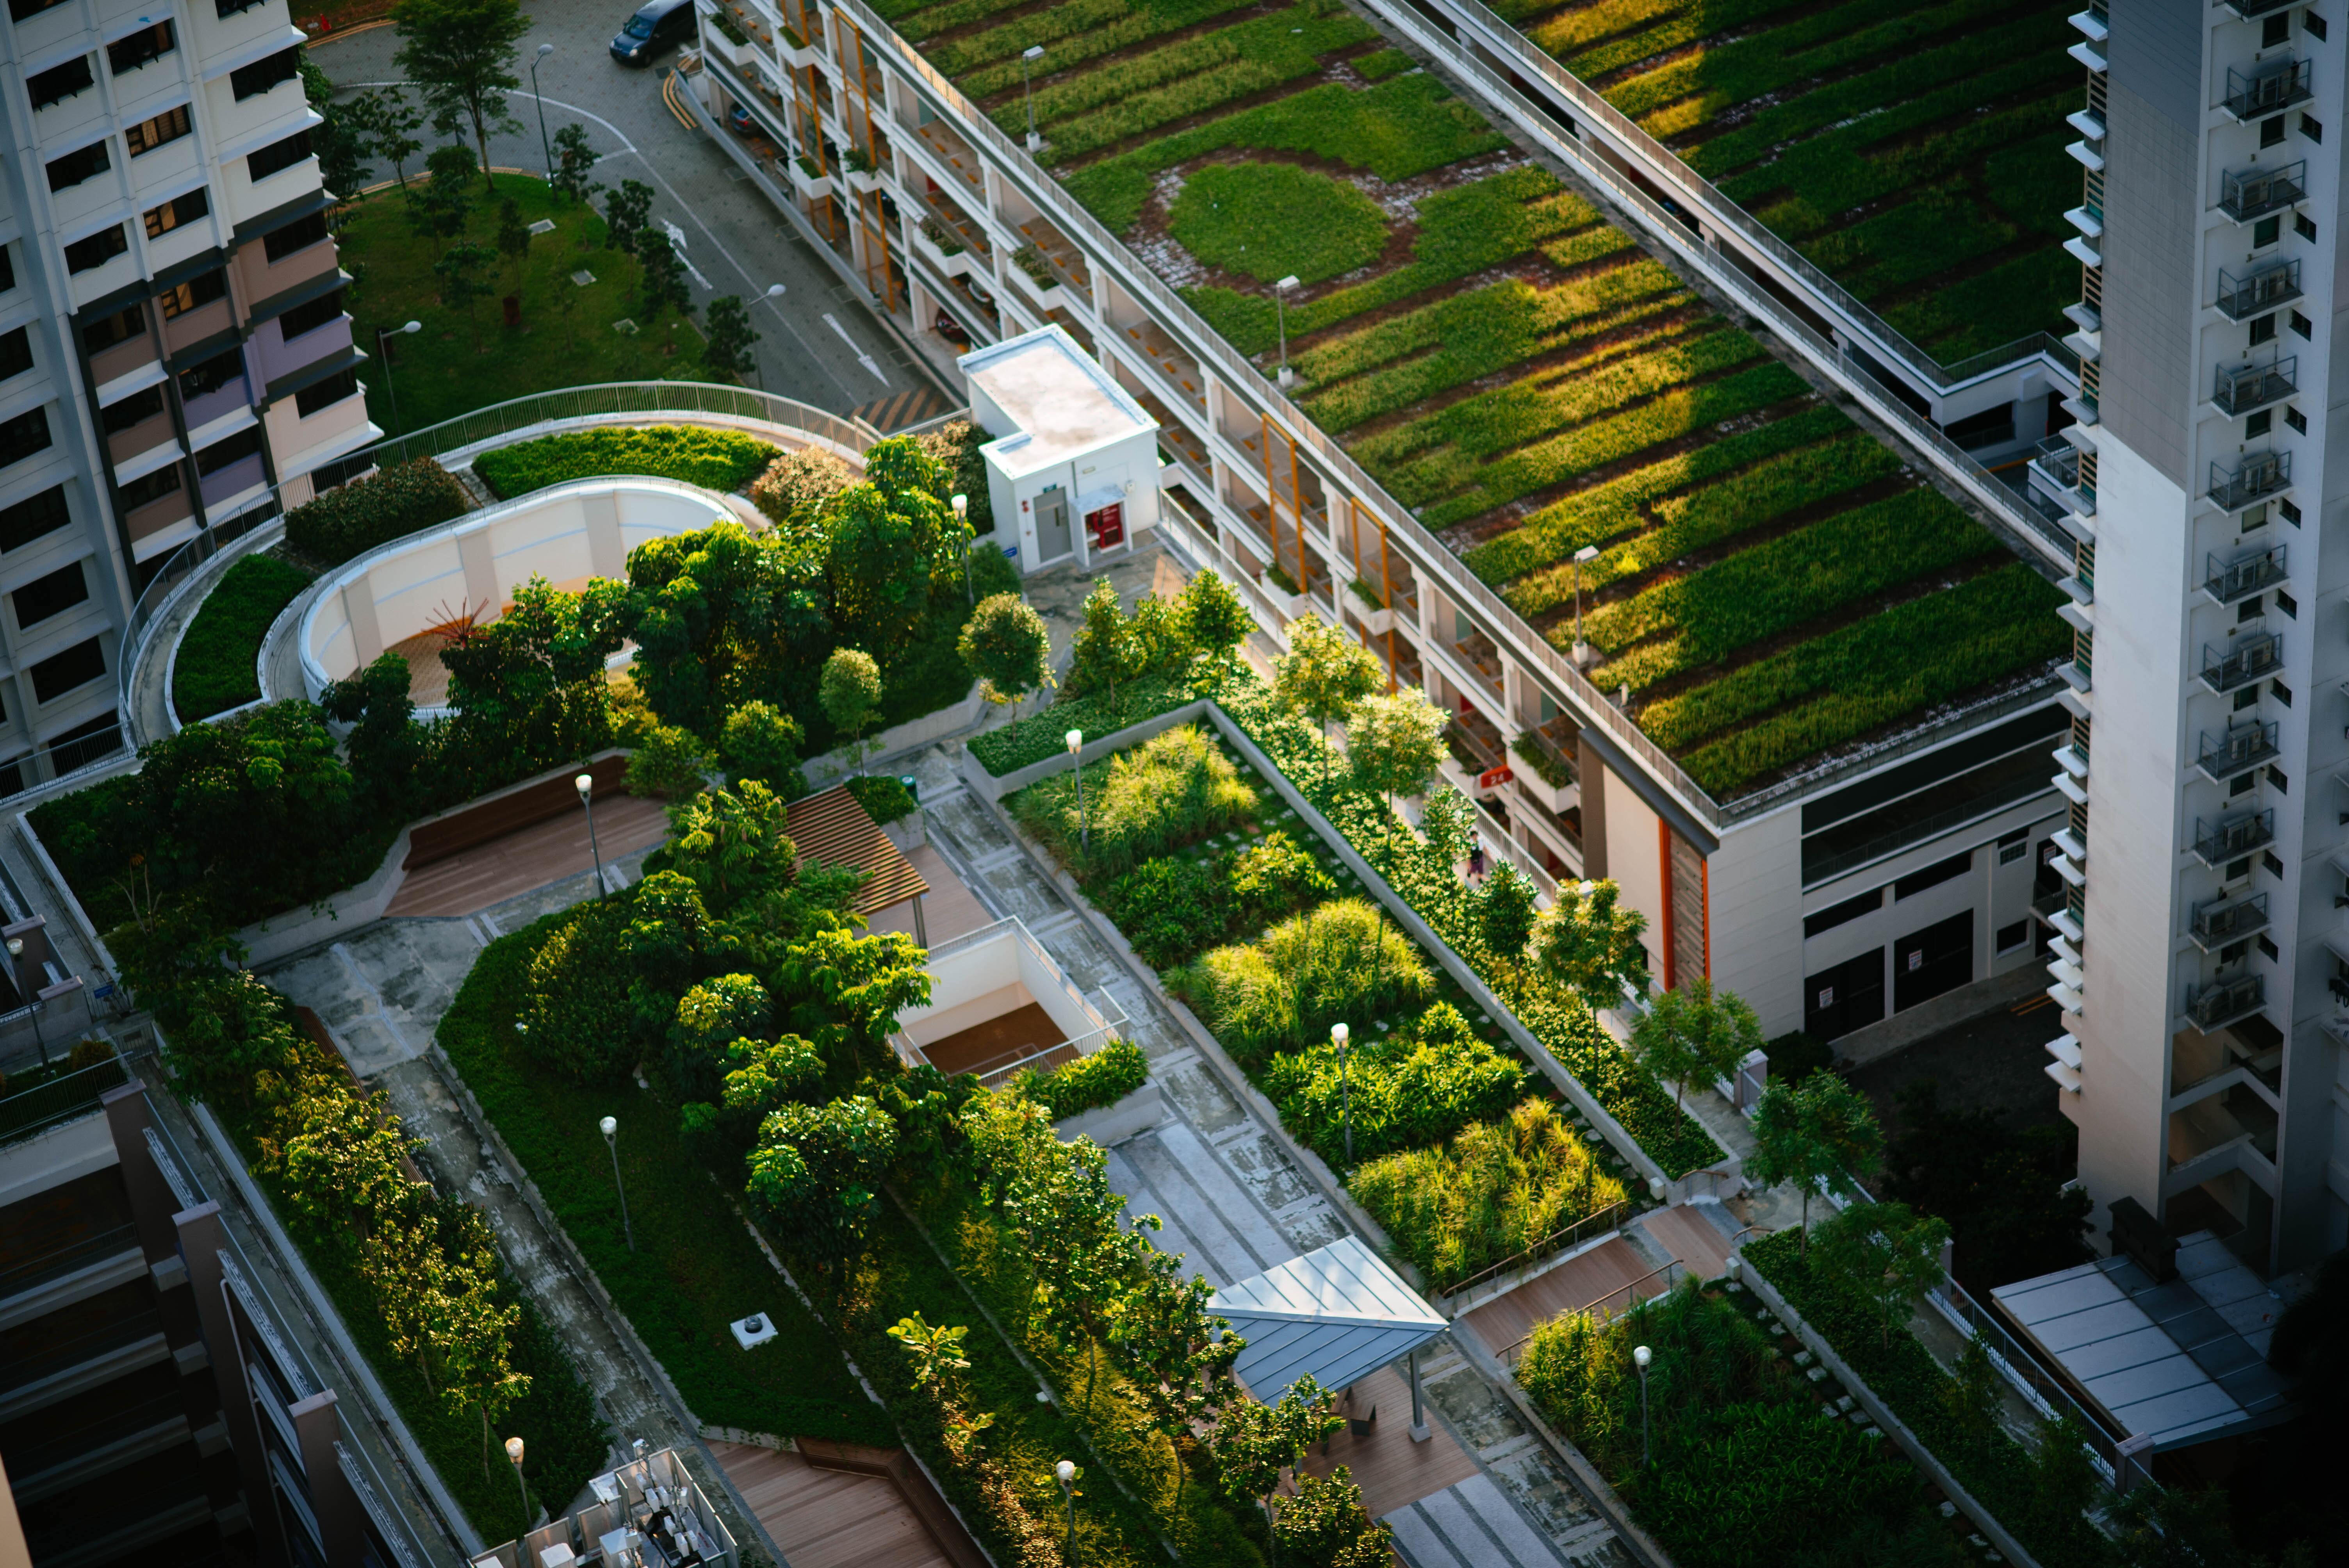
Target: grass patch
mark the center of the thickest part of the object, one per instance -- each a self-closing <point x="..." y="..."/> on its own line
<point x="1026" y="741"/>
<point x="724" y="461"/>
<point x="214" y="668"/>
<point x="1269" y="220"/>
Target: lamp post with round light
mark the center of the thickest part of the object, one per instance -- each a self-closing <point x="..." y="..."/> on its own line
<point x="961" y="504"/>
<point x="1640" y="1356"/>
<point x="383" y="352"/>
<point x="1338" y="1036"/>
<point x="1084" y="827"/>
<point x="1027" y="57"/>
<point x="610" y="1126"/>
<point x="1582" y="557"/>
<point x="513" y="1452"/>
<point x="543" y="145"/>
<point x="1280" y="309"/>
<point x="1065" y="1472"/>
<point x="31" y="996"/>
<point x="586" y="785"/>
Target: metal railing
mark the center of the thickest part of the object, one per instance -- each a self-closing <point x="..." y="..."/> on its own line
<point x="60" y="1098"/>
<point x="2269" y="89"/>
<point x="2255" y="292"/>
<point x="2244" y="576"/>
<point x="1662" y="1279"/>
<point x="2248" y="194"/>
<point x="2228" y="920"/>
<point x="1173" y="315"/>
<point x="1557" y="1242"/>
<point x="2242" y="747"/>
<point x="2259" y="475"/>
<point x="2224" y="670"/>
<point x="2024" y="1371"/>
<point x="2231" y="838"/>
<point x="2240" y="388"/>
<point x="2211" y="1007"/>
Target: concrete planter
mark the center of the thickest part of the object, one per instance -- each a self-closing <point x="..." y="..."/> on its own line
<point x="906" y="832"/>
<point x="1048" y="296"/>
<point x="1134" y="1115"/>
<point x="1560" y="801"/>
<point x="812" y="187"/>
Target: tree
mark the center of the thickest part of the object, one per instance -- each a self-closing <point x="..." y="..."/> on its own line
<point x="2064" y="1477"/>
<point x="1888" y="1253"/>
<point x="2006" y="1193"/>
<point x="1325" y="1526"/>
<point x="574" y="158"/>
<point x="1447" y="822"/>
<point x="460" y="54"/>
<point x="440" y="208"/>
<point x="460" y="271"/>
<point x="1254" y="1443"/>
<point x="1215" y="622"/>
<point x="669" y="761"/>
<point x="728" y="337"/>
<point x="814" y="1169"/>
<point x="389" y="122"/>
<point x="724" y="616"/>
<point x="2177" y="1527"/>
<point x="1506" y="915"/>
<point x="1324" y="673"/>
<point x="1395" y="743"/>
<point x="626" y="213"/>
<point x="851" y="695"/>
<point x="1107" y="649"/>
<point x="529" y="687"/>
<point x="1973" y="1393"/>
<point x="340" y="139"/>
<point x="1695" y="1034"/>
<point x="1591" y="947"/>
<point x="1820" y="1131"/>
<point x="513" y="239"/>
<point x="761" y="741"/>
<point x="1006" y="644"/>
<point x="663" y="283"/>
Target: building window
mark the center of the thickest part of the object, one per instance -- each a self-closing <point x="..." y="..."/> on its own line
<point x="98" y="250"/>
<point x="82" y="163"/>
<point x="228" y="8"/>
<point x="2246" y="697"/>
<point x="299" y="235"/>
<point x="2259" y="424"/>
<point x="147" y="44"/>
<point x="152" y="487"/>
<point x="2315" y="24"/>
<point x="2281" y="692"/>
<point x="18" y="10"/>
<point x="2288" y="604"/>
<point x="150" y="134"/>
<point x="2010" y="937"/>
<point x="196" y="293"/>
<point x="15" y="353"/>
<point x="2302" y="325"/>
<point x="35" y="517"/>
<point x="2312" y="128"/>
<point x="213" y="375"/>
<point x="2266" y="233"/>
<point x="310" y="316"/>
<point x="326" y="394"/>
<point x="2276" y="777"/>
<point x="22" y="435"/>
<point x="2271" y="132"/>
<point x="132" y="411"/>
<point x="2275" y="31"/>
<point x="75" y="667"/>
<point x="245" y="443"/>
<point x="2291" y="513"/>
<point x="60" y="82"/>
<point x="122" y="326"/>
<point x="2293" y="418"/>
<point x="2304" y="226"/>
<point x="261" y="76"/>
<point x="279" y="155"/>
<point x="179" y="209"/>
<point x="7" y="270"/>
<point x="52" y="595"/>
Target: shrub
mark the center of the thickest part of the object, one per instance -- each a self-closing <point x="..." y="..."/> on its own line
<point x="1420" y="1087"/>
<point x="1497" y="1188"/>
<point x="1039" y="736"/>
<point x="577" y="1021"/>
<point x="1273" y="880"/>
<point x="884" y="799"/>
<point x="1171" y="790"/>
<point x="214" y="670"/>
<point x="1344" y="960"/>
<point x="386" y="505"/>
<point x="1104" y="1077"/>
<point x="1168" y="908"/>
<point x="714" y="459"/>
<point x="808" y="477"/>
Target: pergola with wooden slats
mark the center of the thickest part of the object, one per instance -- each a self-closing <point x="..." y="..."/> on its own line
<point x="833" y="830"/>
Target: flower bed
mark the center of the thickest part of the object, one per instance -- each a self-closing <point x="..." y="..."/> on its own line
<point x="214" y="669"/>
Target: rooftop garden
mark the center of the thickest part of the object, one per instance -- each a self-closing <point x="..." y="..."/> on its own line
<point x="1774" y="584"/>
<point x="1913" y="151"/>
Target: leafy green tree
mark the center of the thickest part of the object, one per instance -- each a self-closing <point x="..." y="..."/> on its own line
<point x="390" y="123"/>
<point x="1395" y="743"/>
<point x="760" y="741"/>
<point x="724" y="617"/>
<point x="890" y="543"/>
<point x="1448" y="821"/>
<point x="1254" y="1444"/>
<point x="1215" y="622"/>
<point x="2064" y="1477"/>
<point x="460" y="54"/>
<point x="1973" y="1393"/>
<point x="460" y="271"/>
<point x="340" y="139"/>
<point x="1694" y="1035"/>
<point x="851" y="695"/>
<point x="1822" y="1129"/>
<point x="1888" y="1253"/>
<point x="513" y="240"/>
<point x="573" y="160"/>
<point x="662" y="282"/>
<point x="733" y="846"/>
<point x="1006" y="644"/>
<point x="728" y="337"/>
<point x="670" y="762"/>
<point x="1325" y="1526"/>
<point x="388" y="750"/>
<point x="1108" y="648"/>
<point x="440" y="208"/>
<point x="2177" y="1527"/>
<point x="814" y="1170"/>
<point x="627" y="213"/>
<point x="1590" y="946"/>
<point x="766" y="1073"/>
<point x="529" y="687"/>
<point x="1506" y="913"/>
<point x="1324" y="673"/>
<point x="711" y="1018"/>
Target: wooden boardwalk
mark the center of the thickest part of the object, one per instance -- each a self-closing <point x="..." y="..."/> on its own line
<point x="828" y="1519"/>
<point x="948" y="909"/>
<point x="1392" y="1470"/>
<point x="1611" y="1267"/>
<point x="1689" y="1236"/>
<point x="529" y="857"/>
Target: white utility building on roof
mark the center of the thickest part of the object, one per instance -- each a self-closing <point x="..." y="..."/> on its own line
<point x="1072" y="472"/>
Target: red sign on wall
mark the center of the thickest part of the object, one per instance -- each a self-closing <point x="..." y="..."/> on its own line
<point x="1493" y="778"/>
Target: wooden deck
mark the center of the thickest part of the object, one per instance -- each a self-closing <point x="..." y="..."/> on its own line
<point x="827" y="1519"/>
<point x="1690" y="1237"/>
<point x="1609" y="1268"/>
<point x="948" y="909"/>
<point x="1001" y="1041"/>
<point x="1392" y="1470"/>
<point x="529" y="858"/>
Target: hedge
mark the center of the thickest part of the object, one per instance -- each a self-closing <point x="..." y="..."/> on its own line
<point x="214" y="668"/>
<point x="1104" y="1077"/>
<point x="386" y="505"/>
<point x="1042" y="735"/>
<point x="721" y="460"/>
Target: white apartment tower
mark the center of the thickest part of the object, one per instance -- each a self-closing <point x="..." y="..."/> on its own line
<point x="175" y="354"/>
<point x="2203" y="966"/>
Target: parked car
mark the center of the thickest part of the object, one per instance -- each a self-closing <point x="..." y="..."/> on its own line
<point x="738" y="121"/>
<point x="951" y="330"/>
<point x="658" y="24"/>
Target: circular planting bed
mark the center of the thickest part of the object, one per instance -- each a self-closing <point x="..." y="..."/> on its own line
<point x="1268" y="221"/>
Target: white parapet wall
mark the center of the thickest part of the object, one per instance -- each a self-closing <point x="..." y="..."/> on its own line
<point x="564" y="533"/>
<point x="995" y="970"/>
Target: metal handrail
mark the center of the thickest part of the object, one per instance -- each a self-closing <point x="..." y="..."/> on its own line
<point x="2230" y="580"/>
<point x="1506" y="1356"/>
<point x="2261" y="290"/>
<point x="2258" y="475"/>
<point x="2231" y="837"/>
<point x="2248" y="194"/>
<point x="1555" y="1242"/>
<point x="60" y="1098"/>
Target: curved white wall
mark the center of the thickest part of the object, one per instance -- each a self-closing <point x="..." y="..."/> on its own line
<point x="565" y="532"/>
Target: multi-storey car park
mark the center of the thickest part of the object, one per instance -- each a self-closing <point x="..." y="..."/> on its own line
<point x="1808" y="732"/>
<point x="173" y="349"/>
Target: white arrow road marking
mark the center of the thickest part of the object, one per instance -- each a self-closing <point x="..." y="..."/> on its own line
<point x="863" y="358"/>
<point x="677" y="243"/>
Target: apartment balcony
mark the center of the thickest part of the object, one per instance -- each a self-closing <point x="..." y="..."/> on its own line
<point x="2232" y="837"/>
<point x="2238" y="1116"/>
<point x="2243" y="748"/>
<point x="1551" y="774"/>
<point x="2054" y="477"/>
<point x="2252" y="1047"/>
<point x="2222" y="921"/>
<point x="939" y="246"/>
<point x="229" y="484"/>
<point x="2255" y="292"/>
<point x="2237" y="390"/>
<point x="1474" y="744"/>
<point x="1032" y="277"/>
<point x="2224" y="584"/>
<point x="1060" y="254"/>
<point x="2248" y="194"/>
<point x="1482" y="658"/>
<point x="1178" y="371"/>
<point x="1067" y="322"/>
<point x="946" y="146"/>
<point x="2253" y="10"/>
<point x="2249" y="659"/>
<point x="2259" y="475"/>
<point x="2267" y="89"/>
<point x="2225" y="1002"/>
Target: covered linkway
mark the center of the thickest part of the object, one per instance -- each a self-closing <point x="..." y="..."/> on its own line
<point x="1335" y="1314"/>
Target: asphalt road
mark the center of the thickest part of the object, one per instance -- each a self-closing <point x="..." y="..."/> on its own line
<point x="819" y="343"/>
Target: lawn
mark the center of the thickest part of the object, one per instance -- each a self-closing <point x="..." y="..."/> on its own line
<point x="214" y="668"/>
<point x="468" y="358"/>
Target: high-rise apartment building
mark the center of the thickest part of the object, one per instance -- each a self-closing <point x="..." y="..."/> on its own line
<point x="174" y="347"/>
<point x="2203" y="965"/>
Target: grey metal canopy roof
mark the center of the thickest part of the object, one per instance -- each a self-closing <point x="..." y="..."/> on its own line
<point x="1337" y="1314"/>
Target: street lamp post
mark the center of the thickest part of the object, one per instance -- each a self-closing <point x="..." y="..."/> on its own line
<point x="1339" y="1035"/>
<point x="610" y="1126"/>
<point x="962" y="515"/>
<point x="1640" y="1356"/>
<point x="544" y="146"/>
<point x="1280" y="309"/>
<point x="1581" y="649"/>
<point x="775" y="293"/>
<point x="1076" y="738"/>
<point x="32" y="997"/>
<point x="586" y="785"/>
<point x="1065" y="1472"/>
<point x="382" y="336"/>
<point x="1027" y="57"/>
<point x="513" y="1452"/>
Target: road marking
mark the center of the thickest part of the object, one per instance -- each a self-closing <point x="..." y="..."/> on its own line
<point x="863" y="358"/>
<point x="677" y="243"/>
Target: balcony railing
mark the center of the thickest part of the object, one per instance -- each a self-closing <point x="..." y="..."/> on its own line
<point x="2225" y="669"/>
<point x="2058" y="461"/>
<point x="2224" y="920"/>
<point x="2268" y="89"/>
<point x="2252" y="292"/>
<point x="2252" y="10"/>
<point x="2232" y="837"/>
<point x="2243" y="576"/>
<point x="2240" y="388"/>
<point x="2248" y="194"/>
<point x="2260" y="474"/>
<point x="2217" y="1006"/>
<point x="2242" y="749"/>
